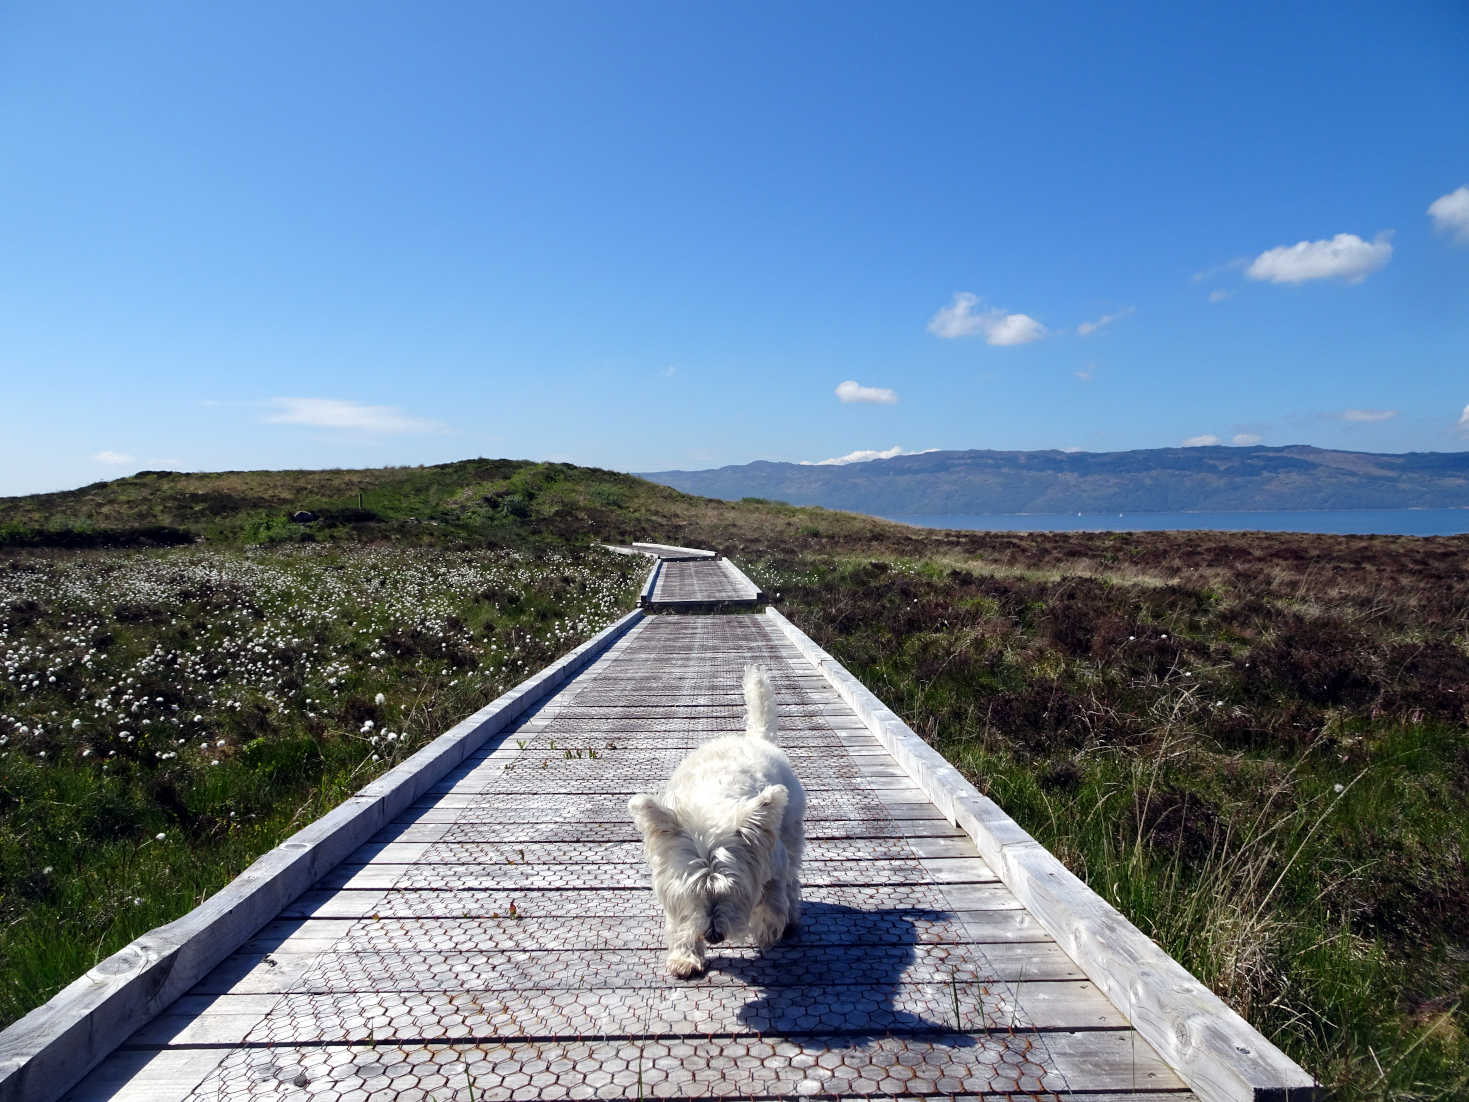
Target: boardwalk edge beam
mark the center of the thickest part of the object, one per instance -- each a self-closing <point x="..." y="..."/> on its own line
<point x="1219" y="1055"/>
<point x="52" y="1048"/>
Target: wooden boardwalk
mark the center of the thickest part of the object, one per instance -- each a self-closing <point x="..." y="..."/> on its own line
<point x="689" y="585"/>
<point x="498" y="937"/>
<point x="503" y="938"/>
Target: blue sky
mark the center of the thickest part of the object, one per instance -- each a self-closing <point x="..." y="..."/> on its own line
<point x="646" y="236"/>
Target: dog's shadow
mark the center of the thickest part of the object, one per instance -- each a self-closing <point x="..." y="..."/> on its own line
<point x="843" y="976"/>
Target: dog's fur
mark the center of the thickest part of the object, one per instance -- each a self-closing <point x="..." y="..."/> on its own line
<point x="725" y="839"/>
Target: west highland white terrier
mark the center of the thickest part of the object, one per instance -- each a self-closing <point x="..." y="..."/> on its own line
<point x="725" y="839"/>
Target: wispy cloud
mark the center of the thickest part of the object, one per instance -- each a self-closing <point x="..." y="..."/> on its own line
<point x="670" y="370"/>
<point x="1463" y="425"/>
<point x="1204" y="440"/>
<point x="1367" y="416"/>
<point x="1086" y="373"/>
<point x="1345" y="256"/>
<point x="1219" y="269"/>
<point x="864" y="456"/>
<point x="1245" y="439"/>
<point x="1220" y="294"/>
<point x="959" y="319"/>
<point x="114" y="459"/>
<point x="337" y="413"/>
<point x="853" y="391"/>
<point x="1087" y="328"/>
<point x="1450" y="214"/>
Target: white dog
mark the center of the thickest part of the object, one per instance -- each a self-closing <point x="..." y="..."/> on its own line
<point x="725" y="840"/>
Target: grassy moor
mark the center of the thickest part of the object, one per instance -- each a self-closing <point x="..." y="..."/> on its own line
<point x="1253" y="744"/>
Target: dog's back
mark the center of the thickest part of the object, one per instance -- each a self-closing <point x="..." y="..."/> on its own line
<point x="759" y="704"/>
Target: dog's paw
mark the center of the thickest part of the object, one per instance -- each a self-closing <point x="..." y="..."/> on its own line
<point x="683" y="965"/>
<point x="766" y="927"/>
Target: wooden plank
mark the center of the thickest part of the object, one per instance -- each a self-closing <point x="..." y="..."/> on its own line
<point x="466" y="1012"/>
<point x="1007" y="1065"/>
<point x="147" y="1075"/>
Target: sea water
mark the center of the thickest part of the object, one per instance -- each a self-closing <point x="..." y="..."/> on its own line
<point x="1387" y="522"/>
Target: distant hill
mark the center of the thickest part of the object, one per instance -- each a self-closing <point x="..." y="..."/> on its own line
<point x="470" y="503"/>
<point x="1212" y="479"/>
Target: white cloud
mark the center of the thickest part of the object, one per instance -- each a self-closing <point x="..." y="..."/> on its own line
<point x="1450" y="213"/>
<point x="1219" y="295"/>
<point x="1345" y="256"/>
<point x="1464" y="420"/>
<point x="336" y="413"/>
<point x="1245" y="439"/>
<point x="958" y="319"/>
<point x="1086" y="373"/>
<point x="1368" y="415"/>
<point x="864" y="456"/>
<point x="1205" y="440"/>
<point x="115" y="459"/>
<point x="853" y="391"/>
<point x="1087" y="328"/>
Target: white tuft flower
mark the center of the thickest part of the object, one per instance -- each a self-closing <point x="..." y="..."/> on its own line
<point x="160" y="836"/>
<point x="379" y="700"/>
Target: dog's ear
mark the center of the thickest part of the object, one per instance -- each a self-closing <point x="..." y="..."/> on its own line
<point x="763" y="813"/>
<point x="651" y="817"/>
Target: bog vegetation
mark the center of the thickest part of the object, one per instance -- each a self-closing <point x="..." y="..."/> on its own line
<point x="166" y="716"/>
<point x="1254" y="745"/>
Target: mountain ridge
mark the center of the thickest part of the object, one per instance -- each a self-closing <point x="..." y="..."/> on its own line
<point x="1195" y="479"/>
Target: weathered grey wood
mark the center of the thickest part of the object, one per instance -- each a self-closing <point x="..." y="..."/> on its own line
<point x="50" y="1048"/>
<point x="148" y="1075"/>
<point x="674" y="553"/>
<point x="702" y="585"/>
<point x="646" y="595"/>
<point x="1004" y="1065"/>
<point x="1217" y="1053"/>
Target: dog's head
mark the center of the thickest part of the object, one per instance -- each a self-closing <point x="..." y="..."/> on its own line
<point x="711" y="883"/>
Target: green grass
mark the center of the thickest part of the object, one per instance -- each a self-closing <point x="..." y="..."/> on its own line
<point x="472" y="503"/>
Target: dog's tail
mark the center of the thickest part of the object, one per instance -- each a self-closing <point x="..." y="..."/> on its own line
<point x="759" y="704"/>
